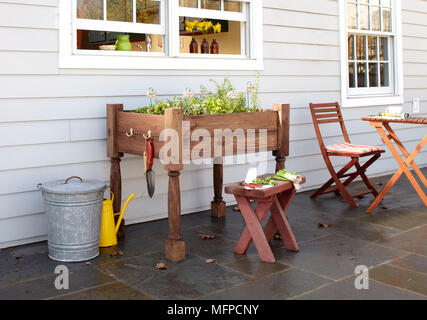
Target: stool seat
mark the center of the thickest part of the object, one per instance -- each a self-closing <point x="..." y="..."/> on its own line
<point x="276" y="200"/>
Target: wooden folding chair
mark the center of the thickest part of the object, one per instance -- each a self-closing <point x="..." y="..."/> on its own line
<point x="329" y="113"/>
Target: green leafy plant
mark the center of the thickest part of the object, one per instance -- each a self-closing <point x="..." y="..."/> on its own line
<point x="218" y="102"/>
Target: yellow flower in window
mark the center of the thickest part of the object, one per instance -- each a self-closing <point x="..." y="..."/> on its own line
<point x="217" y="28"/>
<point x="189" y="26"/>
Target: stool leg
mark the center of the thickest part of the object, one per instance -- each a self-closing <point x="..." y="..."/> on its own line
<point x="255" y="229"/>
<point x="246" y="239"/>
<point x="279" y="218"/>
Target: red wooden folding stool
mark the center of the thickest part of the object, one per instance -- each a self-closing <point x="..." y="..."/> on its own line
<point x="276" y="200"/>
<point x="329" y="113"/>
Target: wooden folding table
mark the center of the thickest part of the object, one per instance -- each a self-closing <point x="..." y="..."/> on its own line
<point x="379" y="123"/>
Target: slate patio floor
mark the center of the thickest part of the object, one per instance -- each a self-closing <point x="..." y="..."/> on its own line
<point x="392" y="242"/>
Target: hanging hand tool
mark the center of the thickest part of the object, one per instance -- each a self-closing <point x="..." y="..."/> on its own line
<point x="148" y="163"/>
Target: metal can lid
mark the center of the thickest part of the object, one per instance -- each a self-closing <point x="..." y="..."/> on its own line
<point x="72" y="185"/>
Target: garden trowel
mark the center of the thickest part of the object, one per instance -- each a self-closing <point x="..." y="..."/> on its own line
<point x="148" y="163"/>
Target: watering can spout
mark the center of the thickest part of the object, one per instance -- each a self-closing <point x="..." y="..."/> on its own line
<point x="123" y="211"/>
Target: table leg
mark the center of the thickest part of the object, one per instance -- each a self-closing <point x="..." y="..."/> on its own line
<point x="255" y="230"/>
<point x="405" y="153"/>
<point x="403" y="169"/>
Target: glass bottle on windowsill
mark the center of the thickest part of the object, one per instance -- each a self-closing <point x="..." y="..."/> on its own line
<point x="214" y="47"/>
<point x="204" y="47"/>
<point x="194" y="46"/>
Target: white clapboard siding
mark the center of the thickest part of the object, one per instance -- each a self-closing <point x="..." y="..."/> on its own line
<point x="52" y="123"/>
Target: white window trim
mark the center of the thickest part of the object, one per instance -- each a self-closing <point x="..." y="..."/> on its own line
<point x="378" y="99"/>
<point x="158" y="61"/>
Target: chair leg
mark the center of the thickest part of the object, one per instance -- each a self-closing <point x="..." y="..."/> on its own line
<point x="339" y="184"/>
<point x="323" y="188"/>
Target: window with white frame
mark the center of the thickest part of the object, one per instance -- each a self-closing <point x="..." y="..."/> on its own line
<point x="226" y="30"/>
<point x="372" y="48"/>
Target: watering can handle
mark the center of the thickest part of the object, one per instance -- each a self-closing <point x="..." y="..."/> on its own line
<point x="73" y="177"/>
<point x="112" y="194"/>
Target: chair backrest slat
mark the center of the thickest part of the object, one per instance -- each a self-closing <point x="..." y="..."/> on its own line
<point x="327" y="113"/>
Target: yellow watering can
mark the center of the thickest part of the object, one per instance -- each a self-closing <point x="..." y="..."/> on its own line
<point x="109" y="229"/>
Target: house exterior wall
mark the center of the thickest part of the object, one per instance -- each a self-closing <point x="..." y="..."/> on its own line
<point x="52" y="121"/>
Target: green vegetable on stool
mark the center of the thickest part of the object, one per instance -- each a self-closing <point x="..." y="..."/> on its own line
<point x="265" y="181"/>
<point x="284" y="175"/>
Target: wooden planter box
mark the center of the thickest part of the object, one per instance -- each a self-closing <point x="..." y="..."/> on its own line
<point x="125" y="132"/>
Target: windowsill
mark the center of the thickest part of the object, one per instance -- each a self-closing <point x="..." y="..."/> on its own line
<point x="140" y="61"/>
<point x="372" y="101"/>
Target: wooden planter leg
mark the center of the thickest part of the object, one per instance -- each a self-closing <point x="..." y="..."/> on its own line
<point x="175" y="246"/>
<point x="217" y="205"/>
<point x="280" y="163"/>
<point x="114" y="155"/>
<point x="116" y="189"/>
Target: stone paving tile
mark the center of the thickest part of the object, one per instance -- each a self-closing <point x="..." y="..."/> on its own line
<point x="44" y="287"/>
<point x="413" y="241"/>
<point x="29" y="262"/>
<point x="402" y="278"/>
<point x="254" y="267"/>
<point x="345" y="290"/>
<point x="402" y="217"/>
<point x="283" y="285"/>
<point x="358" y="229"/>
<point x="412" y="262"/>
<point x="336" y="256"/>
<point x="111" y="291"/>
<point x="187" y="280"/>
<point x="140" y="269"/>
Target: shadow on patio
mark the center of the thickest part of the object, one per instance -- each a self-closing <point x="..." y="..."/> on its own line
<point x="391" y="242"/>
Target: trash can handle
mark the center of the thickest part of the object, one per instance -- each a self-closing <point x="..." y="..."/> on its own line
<point x="75" y="177"/>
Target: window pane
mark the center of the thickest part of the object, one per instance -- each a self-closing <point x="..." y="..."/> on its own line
<point x="386" y="20"/>
<point x="188" y="3"/>
<point x="375" y="18"/>
<point x="363" y="17"/>
<point x="351" y="47"/>
<point x="363" y="1"/>
<point x="90" y="9"/>
<point x="373" y="75"/>
<point x="384" y="49"/>
<point x="384" y="74"/>
<point x="228" y="41"/>
<point x="375" y="2"/>
<point x="148" y="11"/>
<point x="234" y="6"/>
<point x="351" y="75"/>
<point x="361" y="75"/>
<point x="386" y="3"/>
<point x="119" y="10"/>
<point x="352" y="16"/>
<point x="93" y="40"/>
<point x="361" y="47"/>
<point x="372" y="48"/>
<point x="211" y="4"/>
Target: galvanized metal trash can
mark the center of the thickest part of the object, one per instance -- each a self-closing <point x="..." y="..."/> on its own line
<point x="73" y="211"/>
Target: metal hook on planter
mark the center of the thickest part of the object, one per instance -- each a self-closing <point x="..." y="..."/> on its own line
<point x="131" y="134"/>
<point x="148" y="136"/>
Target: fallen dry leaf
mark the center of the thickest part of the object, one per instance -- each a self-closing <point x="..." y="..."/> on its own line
<point x="383" y="207"/>
<point x="277" y="236"/>
<point x="210" y="260"/>
<point x="19" y="258"/>
<point x="88" y="263"/>
<point x="236" y="208"/>
<point x="379" y="183"/>
<point x="161" y="266"/>
<point x="120" y="252"/>
<point x="207" y="236"/>
<point x="323" y="225"/>
<point x="113" y="254"/>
